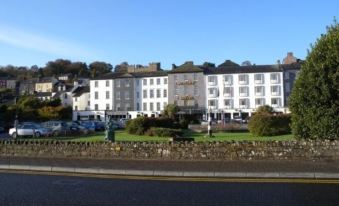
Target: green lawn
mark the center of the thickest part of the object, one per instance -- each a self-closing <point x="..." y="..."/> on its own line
<point x="121" y="135"/>
<point x="236" y="136"/>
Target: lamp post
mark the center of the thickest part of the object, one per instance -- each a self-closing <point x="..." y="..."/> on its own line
<point x="209" y="125"/>
<point x="16" y="121"/>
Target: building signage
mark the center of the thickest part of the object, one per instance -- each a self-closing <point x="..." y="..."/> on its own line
<point x="187" y="97"/>
<point x="186" y="82"/>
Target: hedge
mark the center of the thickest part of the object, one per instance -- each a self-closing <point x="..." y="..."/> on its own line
<point x="164" y="132"/>
<point x="269" y="124"/>
<point x="140" y="125"/>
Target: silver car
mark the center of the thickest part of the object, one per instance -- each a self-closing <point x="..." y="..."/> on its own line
<point x="29" y="130"/>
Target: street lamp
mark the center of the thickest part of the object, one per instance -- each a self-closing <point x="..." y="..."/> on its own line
<point x="209" y="125"/>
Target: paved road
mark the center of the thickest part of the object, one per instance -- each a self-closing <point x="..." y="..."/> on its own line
<point x="29" y="190"/>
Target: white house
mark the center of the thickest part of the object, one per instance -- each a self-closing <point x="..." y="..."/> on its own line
<point x="151" y="93"/>
<point x="81" y="104"/>
<point x="238" y="90"/>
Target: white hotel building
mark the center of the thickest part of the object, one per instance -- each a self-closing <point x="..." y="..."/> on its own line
<point x="239" y="90"/>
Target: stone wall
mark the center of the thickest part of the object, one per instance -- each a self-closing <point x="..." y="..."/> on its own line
<point x="272" y="150"/>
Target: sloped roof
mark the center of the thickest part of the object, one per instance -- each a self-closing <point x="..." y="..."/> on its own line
<point x="187" y="67"/>
<point x="251" y="69"/>
<point x="80" y="90"/>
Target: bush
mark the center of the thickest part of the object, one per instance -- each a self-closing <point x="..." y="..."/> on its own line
<point x="141" y="124"/>
<point x="269" y="125"/>
<point x="164" y="132"/>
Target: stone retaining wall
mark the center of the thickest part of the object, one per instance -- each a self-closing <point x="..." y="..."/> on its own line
<point x="271" y="150"/>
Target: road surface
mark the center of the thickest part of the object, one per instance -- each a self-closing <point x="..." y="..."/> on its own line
<point x="28" y="189"/>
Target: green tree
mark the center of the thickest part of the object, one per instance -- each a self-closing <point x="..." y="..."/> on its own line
<point x="314" y="101"/>
<point x="170" y="111"/>
<point x="265" y="109"/>
<point x="99" y="68"/>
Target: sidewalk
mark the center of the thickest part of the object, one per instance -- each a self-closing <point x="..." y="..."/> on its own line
<point x="231" y="169"/>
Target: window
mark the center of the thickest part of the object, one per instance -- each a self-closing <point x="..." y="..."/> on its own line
<point x="228" y="103"/>
<point x="259" y="102"/>
<point x="117" y="82"/>
<point x="137" y="82"/>
<point x="213" y="103"/>
<point x="243" y="91"/>
<point x="107" y="106"/>
<point x="275" y="90"/>
<point x="151" y="81"/>
<point x="107" y="94"/>
<point x="259" y="90"/>
<point x="65" y="96"/>
<point x="96" y="84"/>
<point x="212" y="80"/>
<point x="195" y="92"/>
<point x="275" y="102"/>
<point x="127" y="83"/>
<point x="96" y="107"/>
<point x="118" y="95"/>
<point x="118" y="108"/>
<point x="138" y="106"/>
<point x="158" y="106"/>
<point x="76" y="99"/>
<point x="128" y="107"/>
<point x="275" y="78"/>
<point x="144" y="106"/>
<point x="165" y="92"/>
<point x="76" y="108"/>
<point x="158" y="93"/>
<point x="165" y="80"/>
<point x="177" y="90"/>
<point x="158" y="81"/>
<point x="144" y="81"/>
<point x="228" y="79"/>
<point x="126" y="95"/>
<point x="144" y="93"/>
<point x="151" y="106"/>
<point x="259" y="78"/>
<point x="151" y="93"/>
<point x="88" y="103"/>
<point x="138" y="95"/>
<point x="244" y="103"/>
<point x="96" y="95"/>
<point x="228" y="91"/>
<point x="212" y="92"/>
<point x="243" y="79"/>
<point x="165" y="104"/>
<point x="107" y="83"/>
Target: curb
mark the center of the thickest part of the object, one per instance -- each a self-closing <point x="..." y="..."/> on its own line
<point x="161" y="173"/>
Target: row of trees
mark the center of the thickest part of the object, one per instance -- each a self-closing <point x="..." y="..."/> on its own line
<point x="29" y="108"/>
<point x="56" y="68"/>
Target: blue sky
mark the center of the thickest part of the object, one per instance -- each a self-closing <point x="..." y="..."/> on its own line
<point x="167" y="31"/>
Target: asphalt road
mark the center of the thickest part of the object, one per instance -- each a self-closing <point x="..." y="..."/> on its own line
<point x="33" y="189"/>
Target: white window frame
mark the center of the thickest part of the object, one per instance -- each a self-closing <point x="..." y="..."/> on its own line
<point x="228" y="79"/>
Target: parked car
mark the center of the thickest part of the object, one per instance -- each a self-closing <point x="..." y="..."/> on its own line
<point x="77" y="127"/>
<point x="57" y="127"/>
<point x="29" y="130"/>
<point x="88" y="125"/>
<point x="94" y="125"/>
